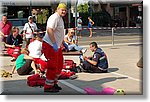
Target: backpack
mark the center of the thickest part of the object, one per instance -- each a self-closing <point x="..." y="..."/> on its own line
<point x="69" y="64"/>
<point x="66" y="74"/>
<point x="35" y="80"/>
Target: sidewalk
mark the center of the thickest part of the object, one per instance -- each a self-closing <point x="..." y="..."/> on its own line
<point x="123" y="72"/>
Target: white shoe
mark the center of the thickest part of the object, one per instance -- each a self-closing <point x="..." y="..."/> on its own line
<point x="83" y="51"/>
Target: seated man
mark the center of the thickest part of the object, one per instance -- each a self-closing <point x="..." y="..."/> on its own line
<point x="97" y="63"/>
<point x="70" y="40"/>
<point x="14" y="43"/>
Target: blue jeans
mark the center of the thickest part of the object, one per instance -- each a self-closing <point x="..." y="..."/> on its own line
<point x="74" y="47"/>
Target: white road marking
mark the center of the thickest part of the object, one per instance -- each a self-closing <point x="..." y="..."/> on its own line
<point x="83" y="92"/>
<point x="126" y="76"/>
<point x="72" y="86"/>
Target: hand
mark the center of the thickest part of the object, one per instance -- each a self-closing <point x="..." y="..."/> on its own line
<point x="85" y="58"/>
<point x="55" y="47"/>
<point x="66" y="46"/>
<point x="13" y="46"/>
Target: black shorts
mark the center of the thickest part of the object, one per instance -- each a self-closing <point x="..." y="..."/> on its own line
<point x="26" y="68"/>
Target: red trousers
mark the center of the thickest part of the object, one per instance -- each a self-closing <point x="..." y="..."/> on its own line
<point x="43" y="64"/>
<point x="54" y="64"/>
<point x="14" y="52"/>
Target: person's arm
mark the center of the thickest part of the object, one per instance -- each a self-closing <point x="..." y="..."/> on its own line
<point x="10" y="46"/>
<point x="91" y="61"/>
<point x="67" y="41"/>
<point x="1" y="33"/>
<point x="28" y="57"/>
<point x="13" y="69"/>
<point x="92" y="21"/>
<point x="51" y="35"/>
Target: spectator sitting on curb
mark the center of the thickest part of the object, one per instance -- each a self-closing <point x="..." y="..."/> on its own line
<point x="96" y="64"/>
<point x="70" y="40"/>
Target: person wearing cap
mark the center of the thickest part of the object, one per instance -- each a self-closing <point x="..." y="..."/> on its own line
<point x="35" y="51"/>
<point x="29" y="28"/>
<point x="52" y="41"/>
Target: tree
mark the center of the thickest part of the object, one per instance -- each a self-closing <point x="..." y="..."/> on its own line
<point x="83" y="8"/>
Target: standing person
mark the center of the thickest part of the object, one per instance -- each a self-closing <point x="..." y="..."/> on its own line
<point x="29" y="29"/>
<point x="90" y="24"/>
<point x="14" y="43"/>
<point x="79" y="26"/>
<point x="5" y="28"/>
<point x="51" y="48"/>
<point x="97" y="63"/>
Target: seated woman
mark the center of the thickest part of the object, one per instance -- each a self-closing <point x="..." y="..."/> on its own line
<point x="24" y="63"/>
<point x="35" y="51"/>
<point x="71" y="42"/>
<point x="14" y="43"/>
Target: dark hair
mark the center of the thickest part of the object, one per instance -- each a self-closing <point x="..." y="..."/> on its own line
<point x="94" y="44"/>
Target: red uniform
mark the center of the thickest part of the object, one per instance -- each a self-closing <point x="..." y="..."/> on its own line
<point x="55" y="64"/>
<point x="14" y="52"/>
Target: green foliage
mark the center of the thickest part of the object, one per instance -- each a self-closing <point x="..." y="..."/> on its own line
<point x="83" y="8"/>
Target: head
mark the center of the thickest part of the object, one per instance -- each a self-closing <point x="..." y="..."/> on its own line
<point x="4" y="18"/>
<point x="39" y="36"/>
<point x="24" y="51"/>
<point x="93" y="46"/>
<point x="30" y="19"/>
<point x="15" y="31"/>
<point x="70" y="32"/>
<point x="62" y="9"/>
<point x="89" y="18"/>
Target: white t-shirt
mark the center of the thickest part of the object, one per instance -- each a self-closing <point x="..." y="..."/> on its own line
<point x="70" y="39"/>
<point x="55" y="22"/>
<point x="79" y="22"/>
<point x="35" y="49"/>
<point x="28" y="29"/>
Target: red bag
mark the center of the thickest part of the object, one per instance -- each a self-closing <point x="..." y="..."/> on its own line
<point x="69" y="64"/>
<point x="66" y="74"/>
<point x="35" y="80"/>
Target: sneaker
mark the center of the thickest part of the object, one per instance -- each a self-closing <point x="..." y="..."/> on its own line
<point x="83" y="51"/>
<point x="73" y="77"/>
<point x="51" y="90"/>
<point x="57" y="87"/>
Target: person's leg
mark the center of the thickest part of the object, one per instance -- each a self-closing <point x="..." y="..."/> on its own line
<point x="16" y="52"/>
<point x="71" y="47"/>
<point x="59" y="68"/>
<point x="27" y="41"/>
<point x="78" y="48"/>
<point x="34" y="67"/>
<point x="90" y="32"/>
<point x="50" y="55"/>
<point x="26" y="68"/>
